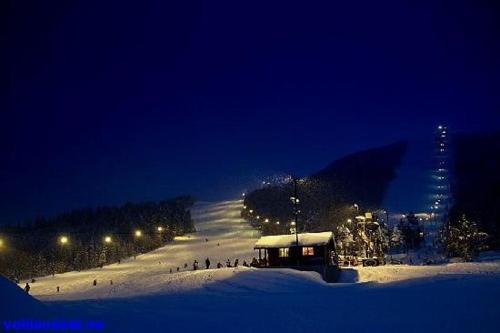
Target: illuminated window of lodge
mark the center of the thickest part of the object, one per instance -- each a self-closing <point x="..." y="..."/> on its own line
<point x="283" y="252"/>
<point x="308" y="251"/>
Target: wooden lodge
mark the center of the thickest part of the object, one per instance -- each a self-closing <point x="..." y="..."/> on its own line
<point x="313" y="251"/>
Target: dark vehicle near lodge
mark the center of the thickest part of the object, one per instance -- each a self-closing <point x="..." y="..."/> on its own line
<point x="312" y="252"/>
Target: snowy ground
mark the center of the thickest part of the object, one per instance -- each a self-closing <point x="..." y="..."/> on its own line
<point x="229" y="237"/>
<point x="459" y="297"/>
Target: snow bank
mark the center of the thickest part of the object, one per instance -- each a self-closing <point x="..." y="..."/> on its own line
<point x="396" y="273"/>
<point x="15" y="303"/>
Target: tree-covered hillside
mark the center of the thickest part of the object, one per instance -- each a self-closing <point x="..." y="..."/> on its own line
<point x="327" y="198"/>
<point x="88" y="238"/>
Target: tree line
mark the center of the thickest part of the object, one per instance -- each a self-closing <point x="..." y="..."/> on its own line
<point x="93" y="237"/>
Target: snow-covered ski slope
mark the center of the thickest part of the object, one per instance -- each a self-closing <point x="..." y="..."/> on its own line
<point x="145" y="297"/>
<point x="221" y="234"/>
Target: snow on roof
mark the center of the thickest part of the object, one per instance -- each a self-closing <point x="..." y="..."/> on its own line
<point x="306" y="239"/>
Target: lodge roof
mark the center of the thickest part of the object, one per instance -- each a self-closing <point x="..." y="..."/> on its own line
<point x="305" y="239"/>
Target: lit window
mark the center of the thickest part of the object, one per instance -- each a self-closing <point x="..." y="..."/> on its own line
<point x="308" y="251"/>
<point x="283" y="252"/>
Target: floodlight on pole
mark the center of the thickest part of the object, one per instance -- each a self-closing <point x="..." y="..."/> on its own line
<point x="138" y="233"/>
<point x="63" y="240"/>
<point x="107" y="239"/>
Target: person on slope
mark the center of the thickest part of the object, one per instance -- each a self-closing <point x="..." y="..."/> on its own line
<point x="228" y="263"/>
<point x="207" y="263"/>
<point x="27" y="288"/>
<point x="195" y="265"/>
<point x="236" y="262"/>
<point x="254" y="262"/>
<point x="219" y="265"/>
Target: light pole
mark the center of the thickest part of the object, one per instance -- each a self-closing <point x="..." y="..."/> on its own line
<point x="389" y="232"/>
<point x="296" y="216"/>
<point x="295" y="210"/>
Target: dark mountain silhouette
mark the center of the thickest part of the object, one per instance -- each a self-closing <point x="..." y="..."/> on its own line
<point x="327" y="196"/>
<point x="364" y="176"/>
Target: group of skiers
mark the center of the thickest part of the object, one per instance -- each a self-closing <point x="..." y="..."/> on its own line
<point x="219" y="264"/>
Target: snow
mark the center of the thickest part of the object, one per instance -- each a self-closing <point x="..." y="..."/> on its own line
<point x="458" y="297"/>
<point x="398" y="273"/>
<point x="13" y="294"/>
<point x="229" y="237"/>
<point x="305" y="239"/>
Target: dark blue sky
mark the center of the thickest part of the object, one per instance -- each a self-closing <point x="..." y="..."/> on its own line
<point x="118" y="101"/>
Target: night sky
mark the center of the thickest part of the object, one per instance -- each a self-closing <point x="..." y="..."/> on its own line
<point x="108" y="102"/>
